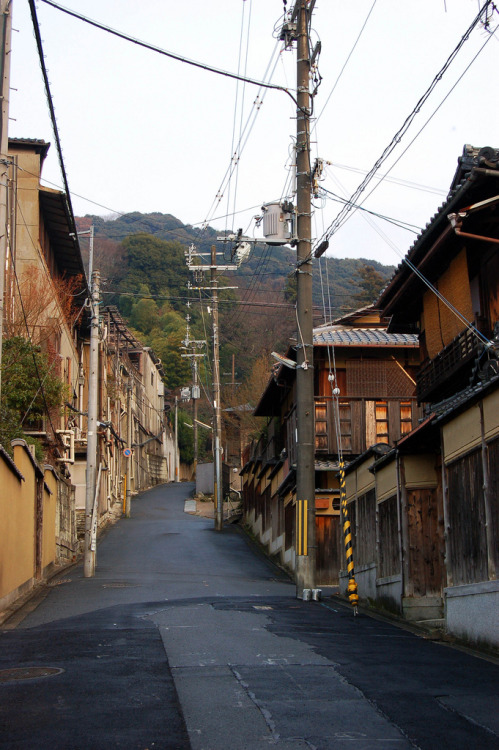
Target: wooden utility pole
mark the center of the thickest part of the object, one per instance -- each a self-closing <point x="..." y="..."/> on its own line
<point x="305" y="471"/>
<point x="217" y="421"/>
<point x="5" y="41"/>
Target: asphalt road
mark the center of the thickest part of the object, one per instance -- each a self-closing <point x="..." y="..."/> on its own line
<point x="189" y="638"/>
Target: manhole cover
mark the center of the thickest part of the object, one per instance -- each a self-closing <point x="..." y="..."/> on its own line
<point x="28" y="673"/>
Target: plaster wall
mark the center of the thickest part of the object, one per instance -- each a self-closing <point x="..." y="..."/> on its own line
<point x="471" y="612"/>
<point x="491" y="415"/>
<point x="462" y="434"/>
<point x="17" y="532"/>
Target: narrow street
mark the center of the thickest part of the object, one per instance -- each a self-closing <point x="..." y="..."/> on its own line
<point x="189" y="638"/>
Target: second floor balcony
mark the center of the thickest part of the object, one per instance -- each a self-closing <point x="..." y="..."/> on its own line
<point x="448" y="372"/>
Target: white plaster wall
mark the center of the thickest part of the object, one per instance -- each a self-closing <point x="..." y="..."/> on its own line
<point x="472" y="612"/>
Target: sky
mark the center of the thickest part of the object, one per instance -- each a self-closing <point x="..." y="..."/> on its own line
<point x="143" y="132"/>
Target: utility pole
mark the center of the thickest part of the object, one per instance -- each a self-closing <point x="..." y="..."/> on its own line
<point x="5" y="41"/>
<point x="129" y="455"/>
<point x="191" y="344"/>
<point x="217" y="410"/>
<point x="93" y="385"/>
<point x="217" y="421"/>
<point x="176" y="439"/>
<point x="305" y="471"/>
<point x="195" y="399"/>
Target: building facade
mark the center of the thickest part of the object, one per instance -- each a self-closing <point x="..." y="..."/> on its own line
<point x="364" y="394"/>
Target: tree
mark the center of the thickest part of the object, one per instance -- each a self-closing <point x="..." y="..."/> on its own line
<point x="185" y="437"/>
<point x="371" y="282"/>
<point x="30" y="389"/>
<point x="157" y="263"/>
<point x="291" y="289"/>
<point x="36" y="314"/>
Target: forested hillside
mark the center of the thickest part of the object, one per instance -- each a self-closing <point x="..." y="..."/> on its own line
<point x="143" y="269"/>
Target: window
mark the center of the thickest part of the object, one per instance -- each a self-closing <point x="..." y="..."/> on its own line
<point x="381" y="422"/>
<point x="321" y="425"/>
<point x="345" y="414"/>
<point x="405" y="417"/>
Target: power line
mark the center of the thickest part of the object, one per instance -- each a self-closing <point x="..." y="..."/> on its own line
<point x="38" y="38"/>
<point x="395" y="222"/>
<point x="342" y="215"/>
<point x="166" y="53"/>
<point x="344" y="66"/>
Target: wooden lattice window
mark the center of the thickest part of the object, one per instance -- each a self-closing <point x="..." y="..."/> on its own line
<point x="405" y="417"/>
<point x="346" y="425"/>
<point x="321" y="442"/>
<point x="381" y="421"/>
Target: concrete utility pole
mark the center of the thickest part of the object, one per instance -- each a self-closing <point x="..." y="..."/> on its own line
<point x="5" y="41"/>
<point x="129" y="455"/>
<point x="176" y="439"/>
<point x="217" y="421"/>
<point x="192" y="264"/>
<point x="305" y="472"/>
<point x="195" y="400"/>
<point x="93" y="393"/>
<point x="192" y="345"/>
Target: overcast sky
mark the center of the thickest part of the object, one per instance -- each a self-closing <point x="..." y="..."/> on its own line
<point x="142" y="132"/>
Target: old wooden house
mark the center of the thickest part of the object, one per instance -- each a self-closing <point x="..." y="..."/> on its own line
<point x="364" y="394"/>
<point x="426" y="520"/>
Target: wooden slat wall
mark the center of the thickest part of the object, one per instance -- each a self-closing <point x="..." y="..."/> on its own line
<point x="493" y="462"/>
<point x="393" y="421"/>
<point x="358" y="427"/>
<point x="467" y="542"/>
<point x="328" y="551"/>
<point x="389" y="552"/>
<point x="365" y="548"/>
<point x="425" y="542"/>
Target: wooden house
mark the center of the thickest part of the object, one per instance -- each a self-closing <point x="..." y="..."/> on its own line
<point x="433" y="499"/>
<point x="364" y="394"/>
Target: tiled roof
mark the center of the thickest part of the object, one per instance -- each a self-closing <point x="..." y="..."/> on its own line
<point x="444" y="408"/>
<point x="362" y="337"/>
<point x="467" y="187"/>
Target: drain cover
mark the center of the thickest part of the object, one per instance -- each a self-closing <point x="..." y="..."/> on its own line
<point x="28" y="673"/>
<point x="120" y="585"/>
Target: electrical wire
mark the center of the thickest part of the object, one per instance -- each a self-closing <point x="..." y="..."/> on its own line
<point x="341" y="217"/>
<point x="166" y="53"/>
<point x="50" y="103"/>
<point x="491" y="36"/>
<point x="396" y="222"/>
<point x="241" y="106"/>
<point x="344" y="66"/>
<point x="394" y="180"/>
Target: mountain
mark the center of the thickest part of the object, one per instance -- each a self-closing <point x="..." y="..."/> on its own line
<point x="141" y="260"/>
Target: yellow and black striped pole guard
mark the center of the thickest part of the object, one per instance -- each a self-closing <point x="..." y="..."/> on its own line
<point x="353" y="597"/>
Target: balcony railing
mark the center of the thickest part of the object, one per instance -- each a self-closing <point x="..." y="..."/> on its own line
<point x="433" y="375"/>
